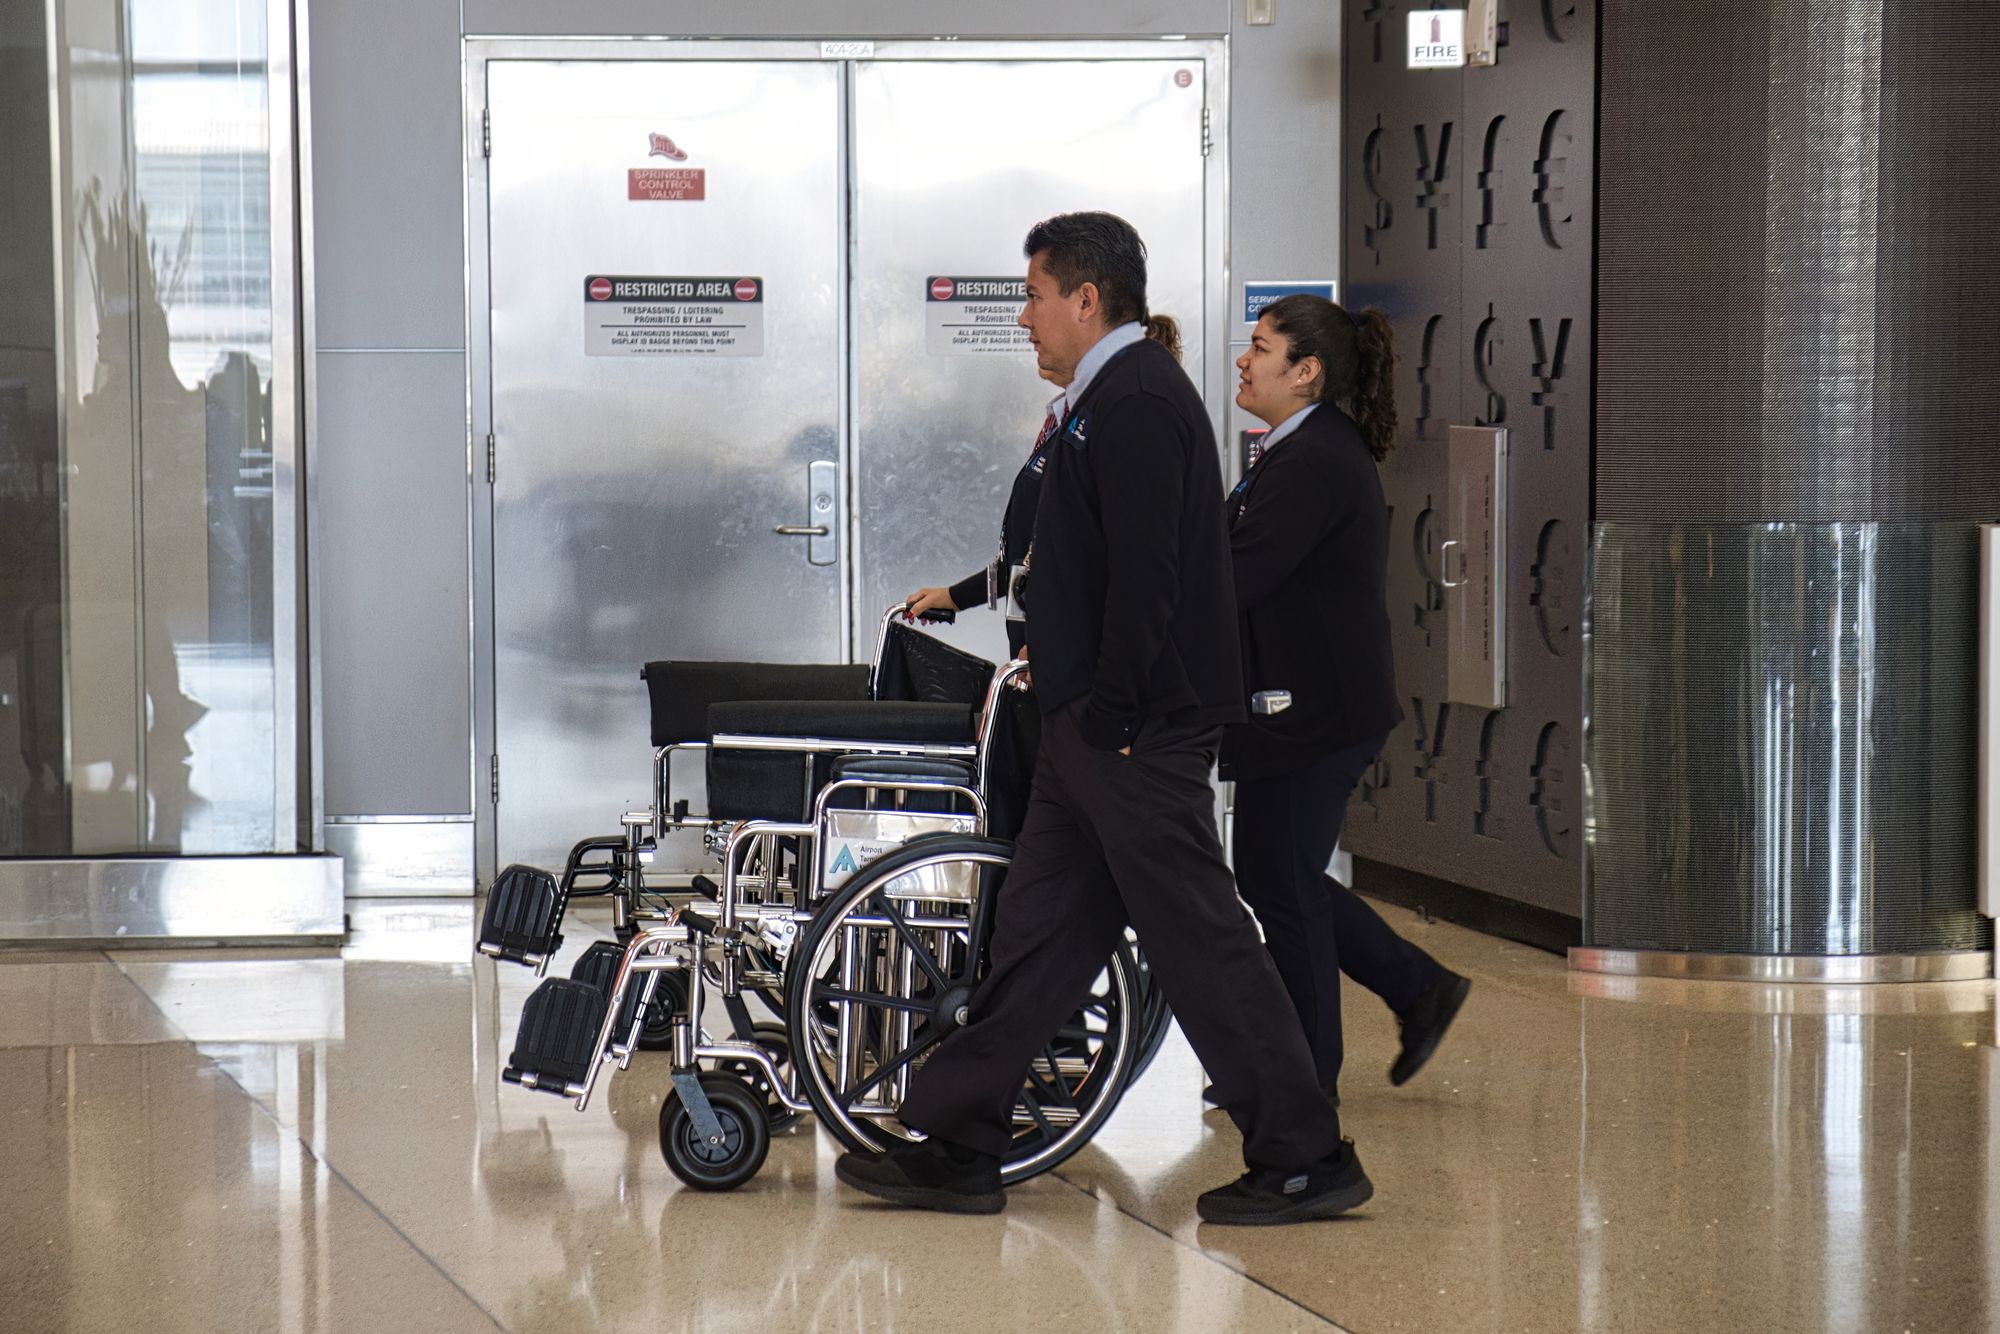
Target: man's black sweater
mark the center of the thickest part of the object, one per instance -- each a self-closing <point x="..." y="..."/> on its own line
<point x="1130" y="600"/>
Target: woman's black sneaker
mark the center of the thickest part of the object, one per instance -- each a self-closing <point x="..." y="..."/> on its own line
<point x="930" y="1175"/>
<point x="1331" y="1186"/>
<point x="1424" y="1026"/>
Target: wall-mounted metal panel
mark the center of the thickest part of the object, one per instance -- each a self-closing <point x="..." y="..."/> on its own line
<point x="1474" y="560"/>
<point x="395" y="651"/>
<point x="404" y="857"/>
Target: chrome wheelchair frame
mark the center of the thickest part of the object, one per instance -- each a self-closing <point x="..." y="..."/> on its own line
<point x="892" y="953"/>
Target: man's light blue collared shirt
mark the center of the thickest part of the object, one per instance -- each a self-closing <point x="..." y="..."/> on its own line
<point x="1102" y="351"/>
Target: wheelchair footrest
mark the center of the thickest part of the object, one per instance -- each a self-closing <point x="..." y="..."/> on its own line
<point x="557" y="1040"/>
<point x="523" y="920"/>
<point x="598" y="967"/>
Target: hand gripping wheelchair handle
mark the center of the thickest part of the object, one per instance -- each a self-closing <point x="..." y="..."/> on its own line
<point x="935" y="616"/>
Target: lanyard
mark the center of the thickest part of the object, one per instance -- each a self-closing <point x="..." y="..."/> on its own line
<point x="1037" y="460"/>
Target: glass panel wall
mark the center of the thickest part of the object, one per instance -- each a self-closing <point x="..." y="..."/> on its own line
<point x="148" y="686"/>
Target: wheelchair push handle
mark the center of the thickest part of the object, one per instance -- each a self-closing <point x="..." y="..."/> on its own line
<point x="935" y="616"/>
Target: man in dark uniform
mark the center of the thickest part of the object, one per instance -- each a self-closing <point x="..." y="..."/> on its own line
<point x="1132" y="632"/>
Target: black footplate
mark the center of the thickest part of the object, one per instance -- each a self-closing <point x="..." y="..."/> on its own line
<point x="598" y="966"/>
<point x="558" y="1036"/>
<point x="524" y="913"/>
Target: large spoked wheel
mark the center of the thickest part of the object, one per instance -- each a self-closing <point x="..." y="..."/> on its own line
<point x="886" y="969"/>
<point x="725" y="1160"/>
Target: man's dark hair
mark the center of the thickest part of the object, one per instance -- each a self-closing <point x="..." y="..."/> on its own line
<point x="1099" y="248"/>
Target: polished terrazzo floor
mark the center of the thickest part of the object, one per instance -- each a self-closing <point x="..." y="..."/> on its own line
<point x="312" y="1141"/>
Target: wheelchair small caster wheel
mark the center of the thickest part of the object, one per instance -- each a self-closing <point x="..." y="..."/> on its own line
<point x="730" y="1159"/>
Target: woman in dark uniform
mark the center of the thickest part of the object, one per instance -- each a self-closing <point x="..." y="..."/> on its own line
<point x="1309" y="537"/>
<point x="1017" y="526"/>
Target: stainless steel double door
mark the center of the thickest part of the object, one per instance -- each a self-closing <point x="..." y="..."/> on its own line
<point x="735" y="410"/>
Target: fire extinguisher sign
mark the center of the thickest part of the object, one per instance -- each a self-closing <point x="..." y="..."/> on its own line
<point x="1437" y="38"/>
<point x="625" y="316"/>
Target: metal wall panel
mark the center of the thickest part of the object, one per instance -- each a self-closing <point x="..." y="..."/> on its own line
<point x="402" y="857"/>
<point x="943" y="186"/>
<point x="388" y="190"/>
<point x="1467" y="213"/>
<point x="636" y="496"/>
<point x="1780" y="761"/>
<point x="394" y="647"/>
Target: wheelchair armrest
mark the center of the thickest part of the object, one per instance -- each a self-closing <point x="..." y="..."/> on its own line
<point x="681" y="692"/>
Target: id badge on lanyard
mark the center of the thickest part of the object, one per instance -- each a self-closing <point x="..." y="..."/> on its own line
<point x="1002" y="579"/>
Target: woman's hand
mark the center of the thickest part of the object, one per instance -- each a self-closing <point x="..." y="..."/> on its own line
<point x="929" y="599"/>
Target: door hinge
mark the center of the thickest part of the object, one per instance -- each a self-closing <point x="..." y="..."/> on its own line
<point x="485" y="133"/>
<point x="1206" y="142"/>
<point x="492" y="461"/>
<point x="494" y="770"/>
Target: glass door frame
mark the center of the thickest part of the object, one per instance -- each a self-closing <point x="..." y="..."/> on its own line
<point x="269" y="896"/>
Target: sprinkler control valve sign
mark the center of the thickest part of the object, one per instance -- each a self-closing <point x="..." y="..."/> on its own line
<point x="968" y="316"/>
<point x="665" y="317"/>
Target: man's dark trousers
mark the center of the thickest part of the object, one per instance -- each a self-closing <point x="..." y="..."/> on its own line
<point x="1110" y="838"/>
<point x="1315" y="927"/>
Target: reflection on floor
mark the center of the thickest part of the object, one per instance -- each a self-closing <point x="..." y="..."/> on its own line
<point x="305" y="1140"/>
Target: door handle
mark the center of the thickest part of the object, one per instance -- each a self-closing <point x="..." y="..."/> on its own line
<point x="822" y="504"/>
<point x="1444" y="561"/>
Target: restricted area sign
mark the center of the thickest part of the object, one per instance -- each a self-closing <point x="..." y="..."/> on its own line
<point x="653" y="317"/>
<point x="969" y="316"/>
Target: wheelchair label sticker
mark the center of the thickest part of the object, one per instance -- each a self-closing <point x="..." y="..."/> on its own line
<point x="973" y="316"/>
<point x="666" y="316"/>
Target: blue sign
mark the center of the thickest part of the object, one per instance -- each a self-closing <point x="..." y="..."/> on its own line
<point x="1256" y="296"/>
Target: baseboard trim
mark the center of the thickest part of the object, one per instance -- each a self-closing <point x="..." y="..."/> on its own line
<point x="1462" y="905"/>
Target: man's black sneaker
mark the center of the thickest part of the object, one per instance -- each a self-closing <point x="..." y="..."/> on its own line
<point x="931" y="1175"/>
<point x="1214" y="1099"/>
<point x="1333" y="1185"/>
<point x="1424" y="1026"/>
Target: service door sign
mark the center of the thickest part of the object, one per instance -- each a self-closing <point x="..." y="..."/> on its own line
<point x="1257" y="295"/>
<point x="968" y="316"/>
<point x="664" y="317"/>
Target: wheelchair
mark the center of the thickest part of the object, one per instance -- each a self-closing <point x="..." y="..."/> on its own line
<point x="859" y="817"/>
